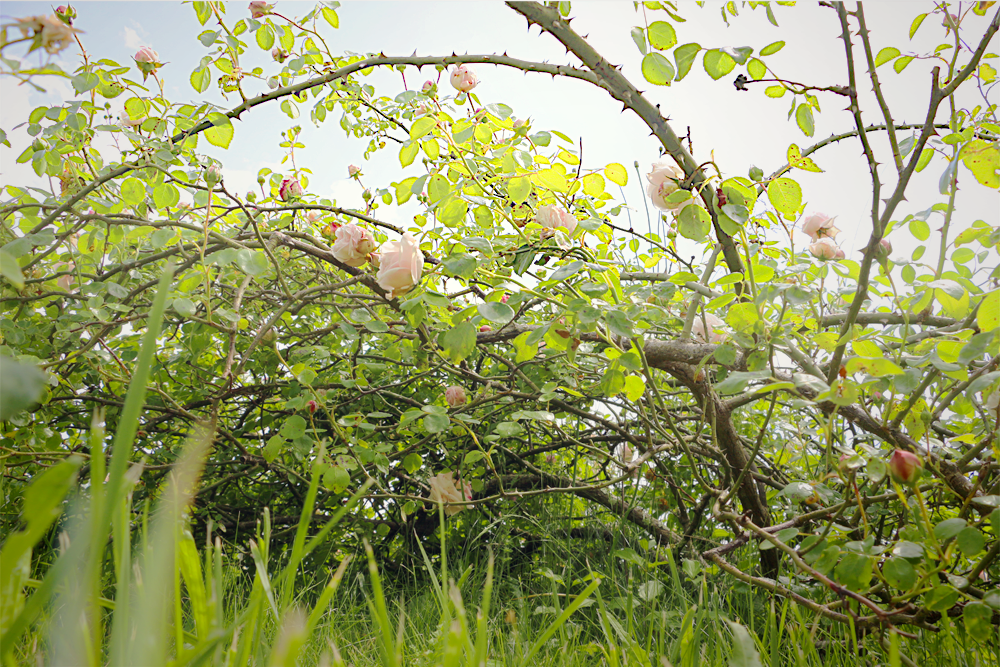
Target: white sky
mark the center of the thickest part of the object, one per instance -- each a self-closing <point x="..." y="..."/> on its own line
<point x="739" y="129"/>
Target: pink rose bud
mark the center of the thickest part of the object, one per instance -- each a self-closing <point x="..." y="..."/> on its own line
<point x="147" y="60"/>
<point x="826" y="248"/>
<point x="505" y="298"/>
<point x="353" y="245"/>
<point x="904" y="467"/>
<point x="518" y="123"/>
<point x="485" y="328"/>
<point x="428" y="86"/>
<point x="818" y="226"/>
<point x="401" y="264"/>
<point x="421" y="110"/>
<point x="353" y="170"/>
<point x="279" y="54"/>
<point x="463" y="78"/>
<point x="455" y="396"/>
<point x="312" y="406"/>
<point x="290" y="189"/>
<point x="213" y="174"/>
<point x="259" y="8"/>
<point x="664" y="180"/>
<point x="66" y="14"/>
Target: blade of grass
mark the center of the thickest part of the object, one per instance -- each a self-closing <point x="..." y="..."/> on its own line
<point x="556" y="624"/>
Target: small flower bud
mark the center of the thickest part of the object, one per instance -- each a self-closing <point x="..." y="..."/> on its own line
<point x="353" y="170"/>
<point x="213" y="175"/>
<point x="259" y="9"/>
<point x="904" y="467"/>
<point x="312" y="406"/>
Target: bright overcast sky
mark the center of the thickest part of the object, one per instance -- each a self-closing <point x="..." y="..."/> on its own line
<point x="738" y="129"/>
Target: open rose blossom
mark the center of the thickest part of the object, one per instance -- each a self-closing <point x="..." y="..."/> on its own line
<point x="289" y="189"/>
<point x="353" y="244"/>
<point x="455" y="396"/>
<point x="463" y="78"/>
<point x="826" y="248"/>
<point x="400" y="265"/>
<point x="353" y="170"/>
<point x="904" y="467"/>
<point x="259" y="8"/>
<point x="664" y="180"/>
<point x="554" y="217"/>
<point x="50" y="32"/>
<point x="443" y="490"/>
<point x="716" y="329"/>
<point x="818" y="226"/>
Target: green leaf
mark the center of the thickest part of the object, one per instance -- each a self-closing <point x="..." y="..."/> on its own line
<point x="635" y="387"/>
<point x="916" y="24"/>
<point x="518" y="189"/>
<point x="496" y="312"/>
<point x="221" y="132"/>
<point x="772" y="48"/>
<point x="165" y="194"/>
<point x="21" y="386"/>
<point x="612" y="382"/>
<point x="201" y="78"/>
<point x="978" y="621"/>
<point x="941" y="598"/>
<point x="639" y="37"/>
<point x="744" y="650"/>
<point x="804" y="118"/>
<point x="133" y="191"/>
<point x="657" y="69"/>
<point x="756" y="69"/>
<point x="412" y="462"/>
<point x="565" y="271"/>
<point x="331" y="17"/>
<point x="901" y="63"/>
<point x="718" y="63"/>
<point x="408" y="152"/>
<point x="983" y="160"/>
<point x="970" y="541"/>
<point x="855" y="571"/>
<point x="203" y="10"/>
<point x="662" y="35"/>
<point x="920" y="229"/>
<point x="619" y="324"/>
<point x="460" y="341"/>
<point x="294" y="427"/>
<point x="436" y="423"/>
<point x="265" y="37"/>
<point x="742" y="316"/>
<point x="885" y="55"/>
<point x="949" y="528"/>
<point x="899" y="573"/>
<point x="422" y="126"/>
<point x="694" y="223"/>
<point x="11" y="269"/>
<point x="462" y="265"/>
<point x="684" y="56"/>
<point x="988" y="316"/>
<point x="785" y="195"/>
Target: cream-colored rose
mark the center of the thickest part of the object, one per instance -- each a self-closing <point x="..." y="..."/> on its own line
<point x="455" y="396"/>
<point x="400" y="265"/>
<point x="353" y="244"/>
<point x="56" y="35"/>
<point x="818" y="226"/>
<point x="443" y="490"/>
<point x="716" y="329"/>
<point x="664" y="180"/>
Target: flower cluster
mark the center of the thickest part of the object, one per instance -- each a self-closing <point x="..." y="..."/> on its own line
<point x="819" y="227"/>
<point x="353" y="245"/>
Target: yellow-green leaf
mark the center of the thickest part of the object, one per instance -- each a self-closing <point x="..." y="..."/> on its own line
<point x="797" y="161"/>
<point x="785" y="195"/>
<point x="635" y="387"/>
<point x="662" y="35"/>
<point x="221" y="132"/>
<point x="983" y="160"/>
<point x="553" y="179"/>
<point x="885" y="55"/>
<point x="616" y="174"/>
<point x="593" y="185"/>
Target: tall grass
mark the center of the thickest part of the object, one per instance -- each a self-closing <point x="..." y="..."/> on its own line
<point x="150" y="596"/>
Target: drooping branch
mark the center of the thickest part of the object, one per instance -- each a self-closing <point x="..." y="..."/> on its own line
<point x="619" y="87"/>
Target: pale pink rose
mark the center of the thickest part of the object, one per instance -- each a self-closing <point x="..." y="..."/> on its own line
<point x="422" y="109"/>
<point x="375" y="259"/>
<point x="716" y="329"/>
<point x="65" y="282"/>
<point x="400" y="265"/>
<point x="463" y="78"/>
<point x="428" y="86"/>
<point x="353" y="170"/>
<point x="353" y="245"/>
<point x="454" y="396"/>
<point x="444" y="490"/>
<point x="554" y="217"/>
<point x="146" y="55"/>
<point x="289" y="189"/>
<point x="664" y="180"/>
<point x="518" y="123"/>
<point x="259" y="8"/>
<point x="818" y="226"/>
<point x="56" y="34"/>
<point x="826" y="248"/>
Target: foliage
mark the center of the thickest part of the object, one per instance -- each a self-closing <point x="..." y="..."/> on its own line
<point x="270" y="387"/>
